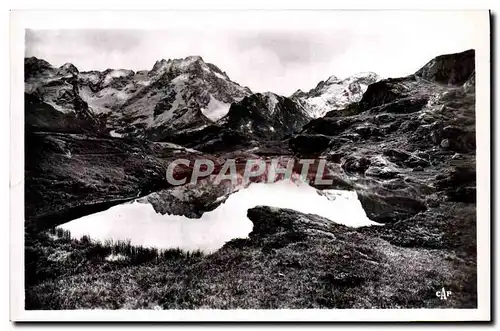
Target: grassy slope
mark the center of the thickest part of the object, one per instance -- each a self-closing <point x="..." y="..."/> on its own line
<point x="291" y="260"/>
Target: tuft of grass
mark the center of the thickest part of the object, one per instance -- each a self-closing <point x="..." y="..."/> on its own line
<point x="53" y="256"/>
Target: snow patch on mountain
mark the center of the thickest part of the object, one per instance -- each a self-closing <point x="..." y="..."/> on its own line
<point x="92" y="77"/>
<point x="215" y="109"/>
<point x="206" y="69"/>
<point x="182" y="64"/>
<point x="335" y="93"/>
<point x="272" y="101"/>
<point x="104" y="100"/>
<point x="332" y="79"/>
<point x="168" y="114"/>
<point x="116" y="74"/>
<point x="62" y="109"/>
<point x="180" y="80"/>
<point x="115" y="134"/>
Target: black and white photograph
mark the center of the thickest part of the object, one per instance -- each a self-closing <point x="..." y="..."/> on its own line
<point x="309" y="162"/>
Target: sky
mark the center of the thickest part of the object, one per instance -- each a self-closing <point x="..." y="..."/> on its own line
<point x="267" y="51"/>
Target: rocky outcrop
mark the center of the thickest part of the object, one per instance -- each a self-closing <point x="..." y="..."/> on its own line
<point x="326" y="265"/>
<point x="67" y="69"/>
<point x="71" y="175"/>
<point x="266" y="115"/>
<point x="40" y="116"/>
<point x="307" y="144"/>
<point x="213" y="139"/>
<point x="409" y="142"/>
<point x="450" y="69"/>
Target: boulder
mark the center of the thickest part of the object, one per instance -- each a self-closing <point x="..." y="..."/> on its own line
<point x="389" y="209"/>
<point x="309" y="143"/>
<point x="357" y="164"/>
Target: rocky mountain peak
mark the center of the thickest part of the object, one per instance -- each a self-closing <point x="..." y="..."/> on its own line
<point x="31" y="61"/>
<point x="450" y="69"/>
<point x="368" y="76"/>
<point x="193" y="58"/>
<point x="192" y="64"/>
<point x="187" y="62"/>
<point x="176" y="93"/>
<point x="266" y="115"/>
<point x="34" y="66"/>
<point x="332" y="79"/>
<point x="67" y="69"/>
<point x="158" y="64"/>
<point x="334" y="93"/>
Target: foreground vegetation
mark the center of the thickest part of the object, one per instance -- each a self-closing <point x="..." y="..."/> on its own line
<point x="53" y="255"/>
<point x="291" y="260"/>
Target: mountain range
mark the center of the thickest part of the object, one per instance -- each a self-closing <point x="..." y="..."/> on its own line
<point x="177" y="95"/>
